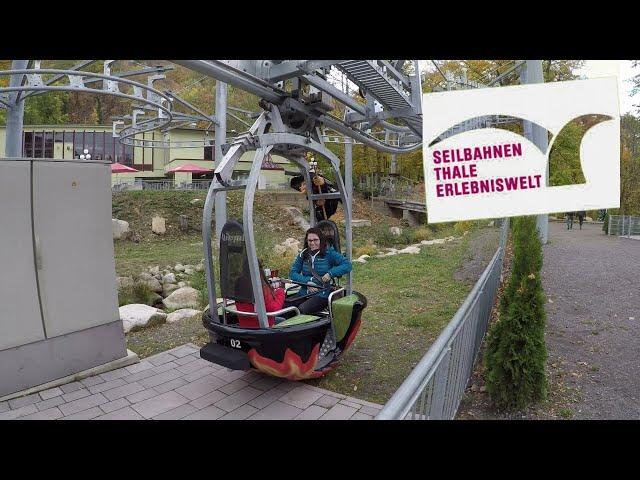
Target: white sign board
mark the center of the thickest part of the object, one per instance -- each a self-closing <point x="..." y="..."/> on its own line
<point x="492" y="173"/>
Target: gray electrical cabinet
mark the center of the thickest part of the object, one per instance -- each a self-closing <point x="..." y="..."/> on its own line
<point x="58" y="295"/>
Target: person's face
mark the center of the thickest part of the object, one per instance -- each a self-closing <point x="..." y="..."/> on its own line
<point x="313" y="241"/>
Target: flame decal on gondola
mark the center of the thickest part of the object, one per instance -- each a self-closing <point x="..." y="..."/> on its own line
<point x="292" y="367"/>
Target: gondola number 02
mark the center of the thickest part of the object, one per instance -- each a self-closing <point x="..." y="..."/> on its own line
<point x="235" y="343"/>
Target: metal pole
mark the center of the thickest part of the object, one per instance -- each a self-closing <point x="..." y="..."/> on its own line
<point x="221" y="137"/>
<point x="348" y="177"/>
<point x="15" y="114"/>
<point x="532" y="73"/>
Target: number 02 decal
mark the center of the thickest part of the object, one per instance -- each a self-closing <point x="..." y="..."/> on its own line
<point x="235" y="343"/>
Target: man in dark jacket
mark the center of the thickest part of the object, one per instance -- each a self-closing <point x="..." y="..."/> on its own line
<point x="324" y="209"/>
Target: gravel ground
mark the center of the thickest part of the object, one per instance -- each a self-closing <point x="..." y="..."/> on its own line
<point x="593" y="318"/>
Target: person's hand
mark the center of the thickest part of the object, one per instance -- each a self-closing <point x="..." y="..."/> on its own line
<point x="312" y="289"/>
<point x="326" y="278"/>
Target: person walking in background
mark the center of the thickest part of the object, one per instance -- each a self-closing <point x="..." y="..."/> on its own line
<point x="581" y="216"/>
<point x="569" y="220"/>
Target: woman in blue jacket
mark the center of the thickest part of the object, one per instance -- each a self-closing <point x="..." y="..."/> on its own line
<point x="316" y="266"/>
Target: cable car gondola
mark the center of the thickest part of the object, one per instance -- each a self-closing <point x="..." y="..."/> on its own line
<point x="301" y="346"/>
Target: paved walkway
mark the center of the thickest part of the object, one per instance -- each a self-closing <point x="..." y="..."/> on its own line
<point x="178" y="384"/>
<point x="593" y="318"/>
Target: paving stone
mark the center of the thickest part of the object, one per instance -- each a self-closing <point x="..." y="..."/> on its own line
<point x="209" y="413"/>
<point x="52" y="392"/>
<point x="113" y="374"/>
<point x="49" y="414"/>
<point x="161" y="358"/>
<point x="91" y="381"/>
<point x="123" y="391"/>
<point x="184" y="351"/>
<point x="204" y="371"/>
<point x="146" y="373"/>
<point x="190" y="367"/>
<point x="314" y="412"/>
<point x="327" y="401"/>
<point x="24" y="401"/>
<point x="253" y="376"/>
<point x="357" y="406"/>
<point x="4" y="406"/>
<point x="277" y="411"/>
<point x="85" y="414"/>
<point x="164" y="367"/>
<point x="75" y="395"/>
<point x="115" y="405"/>
<point x="361" y="416"/>
<point x="126" y="413"/>
<point x="19" y="412"/>
<point x="266" y="398"/>
<point x="339" y="412"/>
<point x="200" y="387"/>
<point x="70" y="387"/>
<point x="52" y="402"/>
<point x="287" y="385"/>
<point x="185" y="360"/>
<point x="233" y="387"/>
<point x="363" y="402"/>
<point x="103" y="387"/>
<point x="171" y="385"/>
<point x="229" y="375"/>
<point x="143" y="395"/>
<point x="241" y="413"/>
<point x="208" y="399"/>
<point x="367" y="410"/>
<point x="160" y="404"/>
<point x="83" y="404"/>
<point x="177" y="413"/>
<point x="266" y="383"/>
<point x="300" y="397"/>
<point x="139" y="367"/>
<point x="163" y="377"/>
<point x="326" y="392"/>
<point x="238" y="399"/>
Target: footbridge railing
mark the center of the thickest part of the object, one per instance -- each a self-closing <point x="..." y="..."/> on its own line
<point x="624" y="225"/>
<point x="434" y="389"/>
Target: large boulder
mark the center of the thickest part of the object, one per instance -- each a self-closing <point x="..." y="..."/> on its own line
<point x="185" y="297"/>
<point x="397" y="231"/>
<point x="411" y="249"/>
<point x="123" y="282"/>
<point x="158" y="225"/>
<point x="290" y="246"/>
<point x="169" y="288"/>
<point x="136" y="316"/>
<point x="184" y="314"/>
<point x="120" y="228"/>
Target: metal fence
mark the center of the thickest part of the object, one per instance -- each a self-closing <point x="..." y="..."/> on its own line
<point x="624" y="225"/>
<point x="434" y="389"/>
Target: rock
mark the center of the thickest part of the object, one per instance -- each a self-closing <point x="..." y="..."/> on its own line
<point x="152" y="281"/>
<point x="158" y="225"/>
<point x="179" y="267"/>
<point x="120" y="228"/>
<point x="184" y="314"/>
<point x="154" y="270"/>
<point x="289" y="246"/>
<point x="136" y="316"/>
<point x="411" y="249"/>
<point x="169" y="278"/>
<point x="360" y="223"/>
<point x="189" y="271"/>
<point x="182" y="284"/>
<point x="298" y="218"/>
<point x="169" y="288"/>
<point x="491" y="223"/>
<point x="397" y="231"/>
<point x="185" y="297"/>
<point x="194" y="201"/>
<point x="360" y="260"/>
<point x="588" y="219"/>
<point x="364" y="257"/>
<point x="199" y="267"/>
<point x="123" y="282"/>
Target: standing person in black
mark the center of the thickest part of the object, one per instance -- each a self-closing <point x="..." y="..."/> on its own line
<point x="581" y="216"/>
<point x="570" y="220"/>
<point x="323" y="208"/>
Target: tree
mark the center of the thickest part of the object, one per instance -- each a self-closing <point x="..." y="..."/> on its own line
<point x="516" y="353"/>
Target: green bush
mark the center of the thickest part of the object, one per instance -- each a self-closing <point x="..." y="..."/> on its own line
<point x="460" y="227"/>
<point x="422" y="233"/>
<point x="516" y="353"/>
<point x="137" y="293"/>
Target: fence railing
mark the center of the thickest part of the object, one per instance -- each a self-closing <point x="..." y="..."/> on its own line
<point x="169" y="184"/>
<point x="624" y="225"/>
<point x="434" y="389"/>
